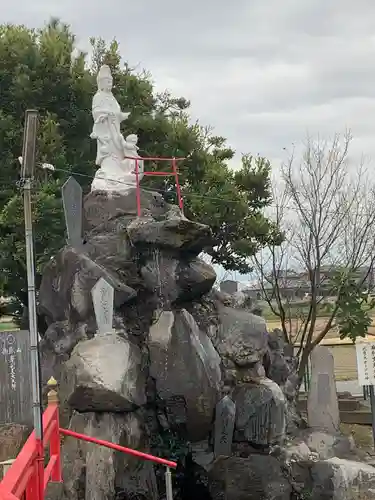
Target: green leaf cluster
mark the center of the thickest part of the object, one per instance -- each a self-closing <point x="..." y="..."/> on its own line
<point x="354" y="306"/>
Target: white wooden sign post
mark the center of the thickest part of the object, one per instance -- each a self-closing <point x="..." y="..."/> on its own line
<point x="366" y="373"/>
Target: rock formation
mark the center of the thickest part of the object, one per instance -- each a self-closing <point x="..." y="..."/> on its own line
<point x="183" y="372"/>
<point x="176" y="350"/>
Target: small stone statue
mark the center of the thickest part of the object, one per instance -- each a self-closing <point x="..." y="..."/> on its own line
<point x="131" y="152"/>
<point x="116" y="172"/>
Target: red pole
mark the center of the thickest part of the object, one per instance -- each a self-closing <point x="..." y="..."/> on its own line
<point x="40" y="468"/>
<point x="117" y="447"/>
<point x="32" y="486"/>
<point x="35" y="485"/>
<point x="138" y="187"/>
<point x="55" y="442"/>
<point x="178" y="189"/>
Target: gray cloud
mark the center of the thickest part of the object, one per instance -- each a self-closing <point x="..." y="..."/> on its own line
<point x="262" y="72"/>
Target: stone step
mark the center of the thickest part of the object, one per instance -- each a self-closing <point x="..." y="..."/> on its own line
<point x="351" y="404"/>
<point x="54" y="491"/>
<point x="361" y="416"/>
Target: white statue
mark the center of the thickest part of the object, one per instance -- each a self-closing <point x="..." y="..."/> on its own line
<point x="116" y="170"/>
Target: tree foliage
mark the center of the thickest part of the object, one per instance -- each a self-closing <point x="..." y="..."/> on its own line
<point x="43" y="69"/>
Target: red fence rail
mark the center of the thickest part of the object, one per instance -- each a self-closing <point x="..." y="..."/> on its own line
<point x="117" y="447"/>
<point x="27" y="478"/>
<point x="173" y="173"/>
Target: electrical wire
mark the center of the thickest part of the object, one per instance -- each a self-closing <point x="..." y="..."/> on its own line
<point x="162" y="191"/>
<point x="186" y="194"/>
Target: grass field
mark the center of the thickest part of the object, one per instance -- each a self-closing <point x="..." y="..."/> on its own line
<point x="7" y="326"/>
<point x="6" y="323"/>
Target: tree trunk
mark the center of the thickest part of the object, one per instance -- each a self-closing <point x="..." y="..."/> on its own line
<point x="304" y="362"/>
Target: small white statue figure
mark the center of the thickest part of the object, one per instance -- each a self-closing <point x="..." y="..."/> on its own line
<point x="131" y="152"/>
<point x="116" y="171"/>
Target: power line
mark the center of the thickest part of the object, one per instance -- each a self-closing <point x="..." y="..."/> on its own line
<point x="164" y="191"/>
<point x="186" y="194"/>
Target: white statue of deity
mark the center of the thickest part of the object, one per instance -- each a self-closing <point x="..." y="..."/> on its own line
<point x="115" y="155"/>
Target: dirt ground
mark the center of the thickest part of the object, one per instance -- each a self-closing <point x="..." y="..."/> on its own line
<point x="362" y="435"/>
<point x="12" y="438"/>
<point x="320" y="323"/>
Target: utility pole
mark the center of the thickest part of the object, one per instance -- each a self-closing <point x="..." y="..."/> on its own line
<point x="27" y="177"/>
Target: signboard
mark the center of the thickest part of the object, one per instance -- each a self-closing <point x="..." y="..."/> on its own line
<point x="366" y="362"/>
<point x="15" y="380"/>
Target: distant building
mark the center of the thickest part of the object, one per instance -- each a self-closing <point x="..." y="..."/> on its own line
<point x="296" y="285"/>
<point x="229" y="286"/>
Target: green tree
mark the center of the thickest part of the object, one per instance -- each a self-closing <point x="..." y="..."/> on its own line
<point x="43" y="69"/>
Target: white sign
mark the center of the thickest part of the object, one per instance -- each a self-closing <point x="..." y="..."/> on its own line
<point x="366" y="363"/>
<point x="102" y="298"/>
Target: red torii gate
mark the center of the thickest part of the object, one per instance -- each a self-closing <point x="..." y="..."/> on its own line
<point x="173" y="173"/>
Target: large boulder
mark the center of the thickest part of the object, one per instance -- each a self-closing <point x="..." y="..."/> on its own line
<point x="195" y="278"/>
<point x="242" y="337"/>
<point x="65" y="291"/>
<point x="104" y="374"/>
<point x="105" y="212"/>
<point x="174" y="280"/>
<point x="175" y="231"/>
<point x="260" y="413"/>
<point x="177" y="348"/>
<point x="329" y="445"/>
<point x="159" y="273"/>
<point x="93" y="472"/>
<point x="281" y="367"/>
<point x="252" y="478"/>
<point x="339" y="479"/>
<point x="185" y="365"/>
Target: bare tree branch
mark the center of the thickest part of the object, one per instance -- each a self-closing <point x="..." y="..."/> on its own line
<point x="326" y="208"/>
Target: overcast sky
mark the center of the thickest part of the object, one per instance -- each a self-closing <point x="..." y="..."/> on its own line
<point x="261" y="72"/>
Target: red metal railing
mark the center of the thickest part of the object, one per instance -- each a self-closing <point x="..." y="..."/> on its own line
<point x="173" y="173"/>
<point x="117" y="447"/>
<point x="27" y="478"/>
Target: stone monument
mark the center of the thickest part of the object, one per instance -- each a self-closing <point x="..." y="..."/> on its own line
<point x="116" y="156"/>
<point x="102" y="298"/>
<point x="72" y="203"/>
<point x="224" y="427"/>
<point x="322" y="402"/>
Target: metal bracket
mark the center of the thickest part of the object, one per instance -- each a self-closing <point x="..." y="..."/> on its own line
<point x="21" y="183"/>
